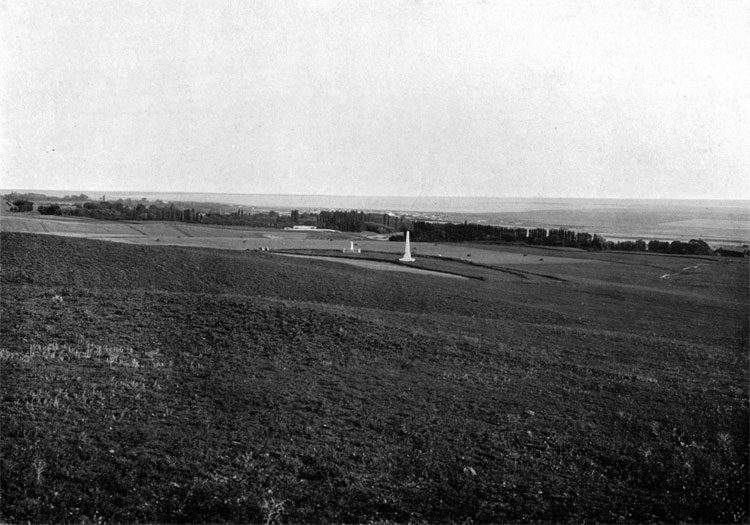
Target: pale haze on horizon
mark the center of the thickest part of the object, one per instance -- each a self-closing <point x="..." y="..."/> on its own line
<point x="404" y="98"/>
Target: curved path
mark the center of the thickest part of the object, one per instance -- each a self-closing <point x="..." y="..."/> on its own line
<point x="375" y="265"/>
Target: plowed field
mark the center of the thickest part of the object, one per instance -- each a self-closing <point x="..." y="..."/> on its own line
<point x="146" y="383"/>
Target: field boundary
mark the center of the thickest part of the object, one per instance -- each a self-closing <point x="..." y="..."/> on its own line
<point x="293" y="251"/>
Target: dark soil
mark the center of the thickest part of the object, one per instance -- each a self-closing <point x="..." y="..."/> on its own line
<point x="165" y="384"/>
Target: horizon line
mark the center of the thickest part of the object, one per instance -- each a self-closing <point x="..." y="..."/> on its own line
<point x="739" y="199"/>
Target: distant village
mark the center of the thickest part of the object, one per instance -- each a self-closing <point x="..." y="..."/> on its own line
<point x="394" y="226"/>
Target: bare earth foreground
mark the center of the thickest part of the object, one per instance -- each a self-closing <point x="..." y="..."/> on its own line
<point x="172" y="381"/>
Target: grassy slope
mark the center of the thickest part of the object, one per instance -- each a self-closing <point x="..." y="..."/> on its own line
<point x="171" y="384"/>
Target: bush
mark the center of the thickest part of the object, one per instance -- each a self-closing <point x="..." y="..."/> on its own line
<point x="23" y="205"/>
<point x="52" y="209"/>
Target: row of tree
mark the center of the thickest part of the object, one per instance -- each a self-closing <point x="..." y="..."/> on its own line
<point x="120" y="210"/>
<point x="15" y="196"/>
<point x="356" y="221"/>
<point x="342" y="220"/>
<point x="692" y="247"/>
<point x="159" y="211"/>
<point x="470" y="232"/>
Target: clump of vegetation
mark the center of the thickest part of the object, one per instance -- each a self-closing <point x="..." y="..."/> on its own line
<point x="22" y="206"/>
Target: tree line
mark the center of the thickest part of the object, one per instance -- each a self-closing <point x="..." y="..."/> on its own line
<point x="423" y="231"/>
<point x="128" y="209"/>
<point x="30" y="196"/>
<point x="357" y="221"/>
<point x="350" y="221"/>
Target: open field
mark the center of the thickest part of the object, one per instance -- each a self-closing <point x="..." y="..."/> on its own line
<point x="147" y="381"/>
<point x="193" y="235"/>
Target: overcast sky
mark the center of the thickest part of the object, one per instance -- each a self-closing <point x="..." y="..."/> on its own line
<point x="442" y="97"/>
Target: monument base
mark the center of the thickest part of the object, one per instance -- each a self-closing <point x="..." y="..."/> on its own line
<point x="352" y="249"/>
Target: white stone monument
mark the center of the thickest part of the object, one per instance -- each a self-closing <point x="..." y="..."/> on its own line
<point x="352" y="249"/>
<point x="407" y="250"/>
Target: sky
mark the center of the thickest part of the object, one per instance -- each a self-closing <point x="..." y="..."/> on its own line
<point x="599" y="99"/>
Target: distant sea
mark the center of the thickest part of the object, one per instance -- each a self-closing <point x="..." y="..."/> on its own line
<point x="716" y="221"/>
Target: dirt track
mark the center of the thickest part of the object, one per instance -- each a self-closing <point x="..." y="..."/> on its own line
<point x="376" y="265"/>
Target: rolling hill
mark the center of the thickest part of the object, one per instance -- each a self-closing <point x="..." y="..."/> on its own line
<point x="174" y="384"/>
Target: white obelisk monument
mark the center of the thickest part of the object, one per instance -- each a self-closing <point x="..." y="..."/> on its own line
<point x="407" y="250"/>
